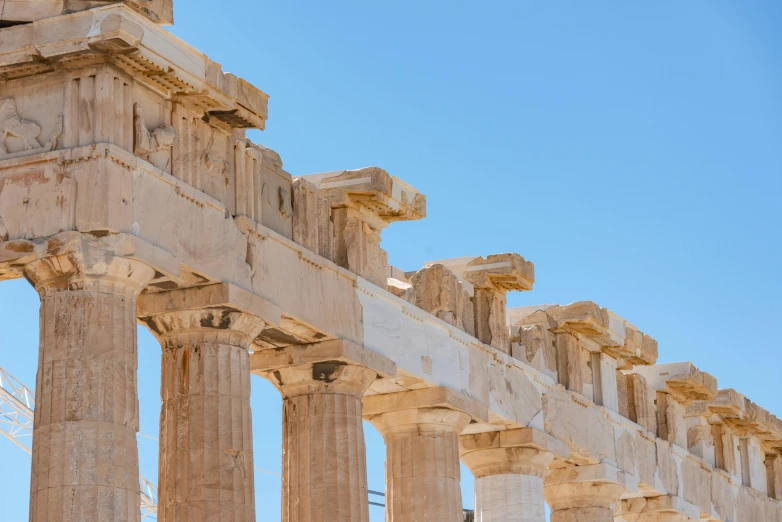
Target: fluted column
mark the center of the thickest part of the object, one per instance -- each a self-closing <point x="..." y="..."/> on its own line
<point x="590" y="493"/>
<point x="422" y="463"/>
<point x="508" y="468"/>
<point x="324" y="473"/>
<point x="85" y="456"/>
<point x="206" y="449"/>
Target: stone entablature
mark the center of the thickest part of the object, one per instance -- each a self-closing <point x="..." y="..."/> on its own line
<point x="123" y="147"/>
<point x="157" y="66"/>
<point x="20" y="11"/>
<point x="361" y="204"/>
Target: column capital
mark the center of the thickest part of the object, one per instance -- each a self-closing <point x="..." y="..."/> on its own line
<point x="213" y="313"/>
<point x="435" y="409"/>
<point x="657" y="509"/>
<point x="86" y="415"/>
<point x="597" y="486"/>
<point x="524" y="451"/>
<point x="216" y="325"/>
<point x="421" y="429"/>
<point x="336" y="366"/>
<point x="74" y="261"/>
<point x="219" y="313"/>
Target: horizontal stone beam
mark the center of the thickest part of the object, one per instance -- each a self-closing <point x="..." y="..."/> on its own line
<point x="270" y="360"/>
<point x="439" y="397"/>
<point x="221" y="295"/>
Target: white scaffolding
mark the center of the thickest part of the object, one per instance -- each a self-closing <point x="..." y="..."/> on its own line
<point x="17" y="403"/>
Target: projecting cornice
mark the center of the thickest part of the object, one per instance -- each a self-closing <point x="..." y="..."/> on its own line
<point x="148" y="53"/>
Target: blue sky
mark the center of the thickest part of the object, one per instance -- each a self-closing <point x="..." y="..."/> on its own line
<point x="631" y="150"/>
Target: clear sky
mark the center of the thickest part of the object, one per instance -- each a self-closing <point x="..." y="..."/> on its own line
<point x="631" y="150"/>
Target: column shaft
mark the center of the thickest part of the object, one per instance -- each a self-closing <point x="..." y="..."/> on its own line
<point x="582" y="493"/>
<point x="85" y="457"/>
<point x="206" y="451"/>
<point x="422" y="464"/>
<point x="324" y="454"/>
<point x="509" y="498"/>
<point x="206" y="470"/>
<point x="509" y="467"/>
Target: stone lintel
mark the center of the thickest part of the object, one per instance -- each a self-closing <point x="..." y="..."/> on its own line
<point x="639" y="349"/>
<point x="371" y="189"/>
<point x="268" y="360"/>
<point x="159" y="11"/>
<point x="141" y="48"/>
<point x="502" y="272"/>
<point x="515" y="438"/>
<point x="585" y="318"/>
<point x="440" y="397"/>
<point x="592" y="474"/>
<point x="15" y="254"/>
<point x="682" y="380"/>
<point x="220" y="295"/>
<point x="662" y="505"/>
<point x="736" y="410"/>
<point x="610" y="333"/>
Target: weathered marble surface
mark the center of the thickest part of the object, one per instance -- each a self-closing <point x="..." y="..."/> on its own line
<point x="124" y="167"/>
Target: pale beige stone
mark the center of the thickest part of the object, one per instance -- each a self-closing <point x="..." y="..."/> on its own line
<point x="422" y="463"/>
<point x="312" y="227"/>
<point x="657" y="509"/>
<point x="363" y="202"/>
<point x="642" y="408"/>
<point x="724" y="495"/>
<point x="206" y="456"/>
<point x="508" y="467"/>
<point x="682" y="380"/>
<point x="324" y="461"/>
<point x="421" y="430"/>
<point x="492" y="278"/>
<point x="570" y="362"/>
<point x="120" y="142"/>
<point x="646" y="462"/>
<point x="774" y="475"/>
<point x="667" y="469"/>
<point x="401" y="289"/>
<point x="160" y="11"/>
<point x="582" y="493"/>
<point x="565" y="419"/>
<point x="535" y="345"/>
<point x="85" y="459"/>
<point x="696" y="484"/>
<point x="438" y="291"/>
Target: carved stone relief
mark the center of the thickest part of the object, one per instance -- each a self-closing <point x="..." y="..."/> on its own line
<point x="439" y="292"/>
<point x="363" y="252"/>
<point x="13" y="126"/>
<point x="154" y="146"/>
<point x="216" y="167"/>
<point x="286" y="205"/>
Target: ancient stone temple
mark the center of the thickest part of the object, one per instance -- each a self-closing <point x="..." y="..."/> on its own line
<point x="111" y="127"/>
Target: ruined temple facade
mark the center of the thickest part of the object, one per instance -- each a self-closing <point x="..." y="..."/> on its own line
<point x="129" y="193"/>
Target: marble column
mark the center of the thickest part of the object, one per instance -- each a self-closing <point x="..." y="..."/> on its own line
<point x="206" y="470"/>
<point x="422" y="463"/>
<point x="508" y="468"/>
<point x="85" y="456"/>
<point x="587" y="493"/>
<point x="324" y="474"/>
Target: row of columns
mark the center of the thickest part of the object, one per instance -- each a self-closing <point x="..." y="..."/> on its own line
<point x="85" y="458"/>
